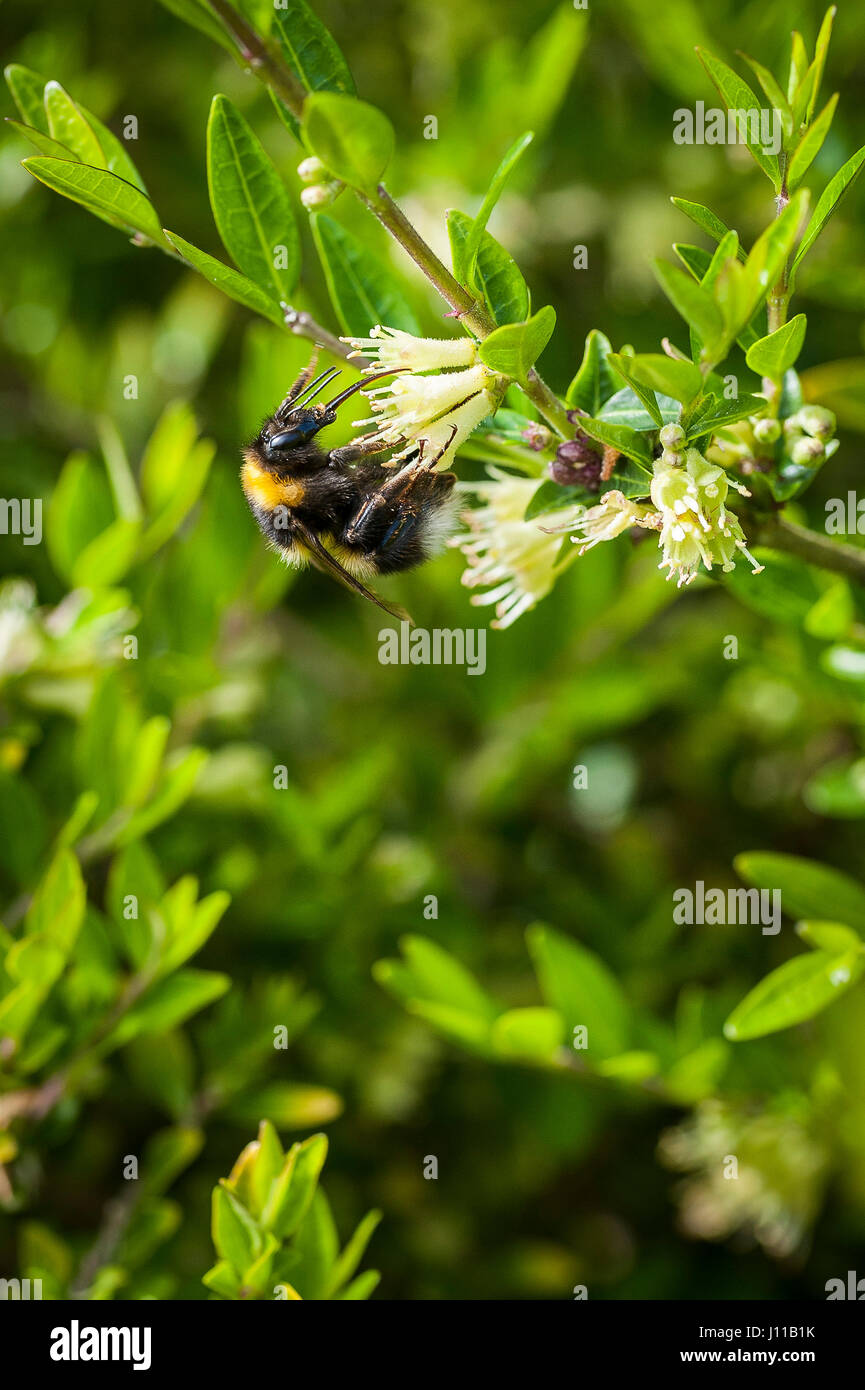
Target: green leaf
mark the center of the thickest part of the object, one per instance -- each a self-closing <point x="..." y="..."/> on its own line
<point x="773" y="91"/>
<point x="828" y="936"/>
<point x="101" y="192"/>
<point x="497" y="275"/>
<point x="167" y="1154"/>
<point x="108" y="557"/>
<point x="200" y="16"/>
<point x="628" y="441"/>
<point x="808" y="889"/>
<point x="691" y="300"/>
<point x="362" y="1287"/>
<point x="796" y="991"/>
<point x="837" y="789"/>
<point x="680" y="380"/>
<point x="57" y="910"/>
<point x="514" y="348"/>
<point x="641" y="390"/>
<point x="786" y="592"/>
<point x="578" y="985"/>
<point x="251" y="204"/>
<point x="595" y="381"/>
<point x="170" y="1001"/>
<point x="713" y="414"/>
<point x="311" y="52"/>
<point x="738" y="96"/>
<point x="43" y="143"/>
<point x="820" y="51"/>
<point x="293" y="1190"/>
<point x="773" y="355"/>
<point x="67" y="125"/>
<point x="531" y="1034"/>
<point x="810" y="145"/>
<point x="289" y="1104"/>
<point x="706" y="219"/>
<point x="28" y="90"/>
<point x="833" y="194"/>
<point x="177" y="782"/>
<point x="434" y="974"/>
<point x="353" y="1253"/>
<point x="740" y="290"/>
<point x="224" y="278"/>
<point x="355" y="141"/>
<point x="552" y="497"/>
<point x="236" y="1236"/>
<point x="494" y="192"/>
<point x="363" y="291"/>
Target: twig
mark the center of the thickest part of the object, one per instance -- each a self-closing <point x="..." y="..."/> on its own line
<point x="254" y="52"/>
<point x="836" y="556"/>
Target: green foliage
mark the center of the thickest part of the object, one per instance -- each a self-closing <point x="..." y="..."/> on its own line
<point x="274" y="1232"/>
<point x="159" y="882"/>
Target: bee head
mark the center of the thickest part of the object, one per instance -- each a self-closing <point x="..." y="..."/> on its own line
<point x="285" y="443"/>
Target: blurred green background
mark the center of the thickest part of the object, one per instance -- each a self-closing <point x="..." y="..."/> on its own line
<point x="407" y="781"/>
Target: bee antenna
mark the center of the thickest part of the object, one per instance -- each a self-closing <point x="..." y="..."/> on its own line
<point x="361" y="385"/>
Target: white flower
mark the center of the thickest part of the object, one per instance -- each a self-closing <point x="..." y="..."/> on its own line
<point x="392" y="347"/>
<point x="614" y="514"/>
<point x="442" y="411"/>
<point x="515" y="556"/>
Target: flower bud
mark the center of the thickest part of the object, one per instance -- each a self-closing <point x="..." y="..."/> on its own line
<point x="538" y="437"/>
<point x="319" y="195"/>
<point x="817" y="421"/>
<point x="807" y="451"/>
<point x="672" y="436"/>
<point x="311" y="170"/>
<point x="767" y="431"/>
<point x="587" y="475"/>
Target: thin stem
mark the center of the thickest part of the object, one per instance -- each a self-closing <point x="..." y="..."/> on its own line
<point x="282" y="81"/>
<point x="836" y="556"/>
<point x="297" y="321"/>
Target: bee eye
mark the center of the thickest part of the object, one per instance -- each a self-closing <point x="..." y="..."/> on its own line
<point x="277" y="442"/>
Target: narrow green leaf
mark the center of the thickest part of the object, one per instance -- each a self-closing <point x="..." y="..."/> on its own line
<point x="694" y="303"/>
<point x="643" y="392"/>
<point x="362" y="289"/>
<point x="836" y="190"/>
<point x="628" y="441"/>
<point x="796" y="991"/>
<point x="251" y="204"/>
<point x="229" y="281"/>
<point x="236" y="1236"/>
<point x="43" y="143"/>
<point x="100" y="192"/>
<point x="829" y="936"/>
<point x="820" y="51"/>
<point x="67" y="125"/>
<point x="681" y="380"/>
<point x="738" y="96"/>
<point x="773" y="92"/>
<point x="808" y="889"/>
<point x="810" y="144"/>
<point x="311" y="52"/>
<point x="199" y="15"/>
<point x="28" y="92"/>
<point x="494" y="192"/>
<point x="706" y="219"/>
<point x="578" y="985"/>
<point x="531" y="1034"/>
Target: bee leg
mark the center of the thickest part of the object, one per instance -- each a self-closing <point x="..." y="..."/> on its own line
<point x="365" y="447"/>
<point x="405" y="520"/>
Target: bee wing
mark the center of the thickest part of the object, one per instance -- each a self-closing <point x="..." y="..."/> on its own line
<point x="321" y="556"/>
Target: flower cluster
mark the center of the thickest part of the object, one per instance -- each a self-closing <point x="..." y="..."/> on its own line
<point x="505" y="551"/>
<point x="695" y="525"/>
<point x="439" y="411"/>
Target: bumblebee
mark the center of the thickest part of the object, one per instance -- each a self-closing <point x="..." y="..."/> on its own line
<point x="343" y="510"/>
